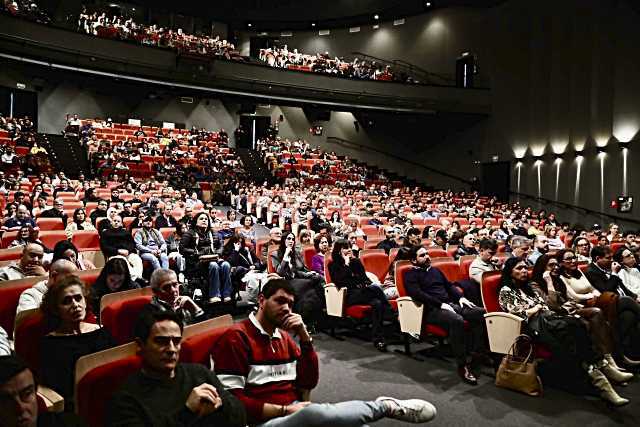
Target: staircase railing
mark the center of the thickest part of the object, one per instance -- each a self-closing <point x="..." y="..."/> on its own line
<point x="417" y="73"/>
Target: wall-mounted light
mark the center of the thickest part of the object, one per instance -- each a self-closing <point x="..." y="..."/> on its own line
<point x="558" y="157"/>
<point x="624" y="145"/>
<point x="579" y="154"/>
<point x="518" y="164"/>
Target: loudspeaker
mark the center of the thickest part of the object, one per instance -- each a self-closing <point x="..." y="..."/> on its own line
<point x="496" y="180"/>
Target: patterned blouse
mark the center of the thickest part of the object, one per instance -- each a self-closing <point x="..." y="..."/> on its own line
<point x="515" y="301"/>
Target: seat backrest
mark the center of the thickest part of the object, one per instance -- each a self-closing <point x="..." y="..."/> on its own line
<point x="29" y="331"/>
<point x="48" y="224"/>
<point x="199" y="339"/>
<point x="10" y="291"/>
<point x="50" y="238"/>
<point x="8" y="237"/>
<point x="124" y="295"/>
<point x="307" y="253"/>
<point x="401" y="268"/>
<point x="99" y="376"/>
<point x="465" y="264"/>
<point x="120" y="316"/>
<point x="270" y="267"/>
<point x="10" y="254"/>
<point x="376" y="263"/>
<point x="489" y="290"/>
<point x="89" y="277"/>
<point x="86" y="239"/>
<point x="393" y="253"/>
<point x="450" y="269"/>
<point x="437" y="253"/>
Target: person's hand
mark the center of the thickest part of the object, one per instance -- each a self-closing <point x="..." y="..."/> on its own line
<point x="35" y="270"/>
<point x="203" y="400"/>
<point x="615" y="267"/>
<point x="466" y="303"/>
<point x="295" y="407"/>
<point x="123" y="252"/>
<point x="445" y="306"/>
<point x="347" y="259"/>
<point x="252" y="267"/>
<point x="294" y="323"/>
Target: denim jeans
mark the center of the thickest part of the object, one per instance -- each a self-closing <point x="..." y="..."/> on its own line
<point x="220" y="279"/>
<point x="354" y="413"/>
<point x="156" y="263"/>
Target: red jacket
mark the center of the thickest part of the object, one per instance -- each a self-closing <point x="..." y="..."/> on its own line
<point x="260" y="369"/>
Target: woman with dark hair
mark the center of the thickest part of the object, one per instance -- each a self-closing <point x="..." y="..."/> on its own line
<point x="232" y="218"/>
<point x="80" y="222"/>
<point x="26" y="235"/>
<point x="64" y="249"/>
<point x="582" y="249"/>
<point x="245" y="264"/>
<point x="64" y="309"/>
<point x="347" y="271"/>
<point x="248" y="231"/>
<point x="566" y="336"/>
<point x="309" y="285"/>
<point x="114" y="277"/>
<point x="547" y="283"/>
<point x="322" y="245"/>
<point x="201" y="248"/>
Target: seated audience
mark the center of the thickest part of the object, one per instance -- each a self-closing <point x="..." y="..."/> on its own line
<point x="30" y="264"/>
<point x="485" y="261"/>
<point x="166" y="219"/>
<point x="259" y="343"/>
<point x="446" y="307"/>
<point x="21" y="219"/>
<point x="202" y="249"/>
<point x="57" y="211"/>
<point x="114" y="277"/>
<point x="389" y="241"/>
<point x="468" y="246"/>
<point x="117" y="241"/>
<point x="64" y="308"/>
<point x="19" y="401"/>
<point x="628" y="273"/>
<point x="289" y="264"/>
<point x="168" y="393"/>
<point x="64" y="249"/>
<point x="79" y="222"/>
<point x="322" y="244"/>
<point x="248" y="230"/>
<point x="166" y="297"/>
<point x="151" y="245"/>
<point x="540" y="247"/>
<point x="246" y="267"/>
<point x="572" y="348"/>
<point x="520" y="248"/>
<point x="347" y="271"/>
<point x="31" y="298"/>
<point x="26" y="235"/>
<point x="582" y="249"/>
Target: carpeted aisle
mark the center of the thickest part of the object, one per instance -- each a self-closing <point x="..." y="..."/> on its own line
<point x="353" y="369"/>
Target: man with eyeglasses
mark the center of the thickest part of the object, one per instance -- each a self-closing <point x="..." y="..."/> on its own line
<point x="389" y="241"/>
<point x="629" y="273"/>
<point x="19" y="402"/>
<point x="446" y="307"/>
<point x="166" y="297"/>
<point x="167" y="393"/>
<point x="57" y="211"/>
<point x="99" y="212"/>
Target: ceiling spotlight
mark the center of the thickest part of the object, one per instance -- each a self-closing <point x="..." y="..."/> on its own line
<point x="376" y="17"/>
<point x="249" y="25"/>
<point x="428" y="4"/>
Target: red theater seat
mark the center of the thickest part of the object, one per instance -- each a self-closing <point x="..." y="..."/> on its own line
<point x="9" y="295"/>
<point x="376" y="262"/>
<point x="49" y="224"/>
<point x="200" y="338"/>
<point x="50" y="238"/>
<point x="119" y="317"/>
<point x="450" y="269"/>
<point x="29" y="331"/>
<point x="86" y="240"/>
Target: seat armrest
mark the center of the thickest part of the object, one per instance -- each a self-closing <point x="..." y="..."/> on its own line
<point x="53" y="401"/>
<point x="502" y="330"/>
<point x="410" y="314"/>
<point x="334" y="299"/>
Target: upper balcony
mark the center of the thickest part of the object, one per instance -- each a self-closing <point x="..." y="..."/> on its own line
<point x="59" y="48"/>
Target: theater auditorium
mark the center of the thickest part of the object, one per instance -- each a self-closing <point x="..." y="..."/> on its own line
<point x="279" y="213"/>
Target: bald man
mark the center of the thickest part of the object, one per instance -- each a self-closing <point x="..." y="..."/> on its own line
<point x="30" y="264"/>
<point x="32" y="298"/>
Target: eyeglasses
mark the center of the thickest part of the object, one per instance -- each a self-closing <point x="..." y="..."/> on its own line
<point x="569" y="259"/>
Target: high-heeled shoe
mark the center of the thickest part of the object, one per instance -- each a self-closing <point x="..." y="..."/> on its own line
<point x="614" y="374"/>
<point x="611" y="361"/>
<point x="607" y="393"/>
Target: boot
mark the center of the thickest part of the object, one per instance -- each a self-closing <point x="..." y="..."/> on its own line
<point x="607" y="393"/>
<point x="614" y="374"/>
<point x="611" y="361"/>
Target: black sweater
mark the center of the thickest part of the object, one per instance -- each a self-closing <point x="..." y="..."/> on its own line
<point x="113" y="239"/>
<point x="146" y="401"/>
<point x="352" y="276"/>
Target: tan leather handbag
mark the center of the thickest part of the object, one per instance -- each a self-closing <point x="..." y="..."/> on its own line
<point x="519" y="373"/>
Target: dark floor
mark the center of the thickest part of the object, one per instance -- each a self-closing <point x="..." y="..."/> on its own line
<point x="353" y="369"/>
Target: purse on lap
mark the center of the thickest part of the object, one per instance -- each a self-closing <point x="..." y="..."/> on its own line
<point x="518" y="373"/>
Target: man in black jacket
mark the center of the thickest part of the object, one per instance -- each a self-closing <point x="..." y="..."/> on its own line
<point x="445" y="306"/>
<point x="166" y="219"/>
<point x="100" y="211"/>
<point x="390" y="240"/>
<point x="167" y="393"/>
<point x="117" y="241"/>
<point x="56" y="212"/>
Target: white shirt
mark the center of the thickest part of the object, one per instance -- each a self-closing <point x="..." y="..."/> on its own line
<point x="32" y="298"/>
<point x="631" y="279"/>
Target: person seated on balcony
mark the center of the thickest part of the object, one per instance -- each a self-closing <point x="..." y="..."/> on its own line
<point x="263" y="340"/>
<point x="114" y="277"/>
<point x="29" y="265"/>
<point x="289" y="264"/>
<point x="445" y="306"/>
<point x="347" y="271"/>
<point x="32" y="298"/>
<point x="202" y="249"/>
<point x="151" y="245"/>
<point x="64" y="309"/>
<point x="572" y="350"/>
<point x="117" y="241"/>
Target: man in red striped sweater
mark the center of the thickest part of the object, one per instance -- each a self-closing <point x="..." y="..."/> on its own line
<point x="260" y="363"/>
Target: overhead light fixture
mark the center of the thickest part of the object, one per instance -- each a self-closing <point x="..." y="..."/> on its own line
<point x="313" y="24"/>
<point x="428" y="4"/>
<point x="249" y="25"/>
<point x="376" y="16"/>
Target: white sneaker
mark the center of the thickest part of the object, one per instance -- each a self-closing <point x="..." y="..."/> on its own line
<point x="227" y="299"/>
<point x="410" y="411"/>
<point x="197" y="294"/>
<point x="214" y="300"/>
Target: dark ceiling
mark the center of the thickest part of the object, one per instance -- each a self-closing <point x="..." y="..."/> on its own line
<point x="300" y="14"/>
